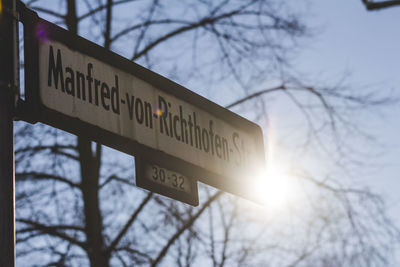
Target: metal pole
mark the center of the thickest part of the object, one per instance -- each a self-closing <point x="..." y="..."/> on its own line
<point x="8" y="83"/>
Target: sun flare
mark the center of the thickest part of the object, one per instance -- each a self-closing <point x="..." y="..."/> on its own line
<point x="274" y="188"/>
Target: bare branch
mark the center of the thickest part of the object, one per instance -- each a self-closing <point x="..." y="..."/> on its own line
<point x="44" y="147"/>
<point x="187" y="225"/>
<point x="144" y="29"/>
<point x="54" y="231"/>
<point x="254" y="95"/>
<point x="133" y="251"/>
<point x="44" y="176"/>
<point x="101" y="7"/>
<point x="55" y="149"/>
<point x="377" y="5"/>
<point x="202" y="23"/>
<point x="31" y="2"/>
<point x="49" y="12"/>
<point x="116" y="178"/>
<point x="55" y="227"/>
<point x="146" y="24"/>
<point x="107" y="33"/>
<point x="128" y="224"/>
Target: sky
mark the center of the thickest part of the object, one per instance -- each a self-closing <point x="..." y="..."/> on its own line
<point x="349" y="39"/>
<point x="366" y="45"/>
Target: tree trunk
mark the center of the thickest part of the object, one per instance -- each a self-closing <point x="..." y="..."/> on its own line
<point x="90" y="173"/>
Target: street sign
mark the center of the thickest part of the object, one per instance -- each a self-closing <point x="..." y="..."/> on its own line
<point x="78" y="86"/>
<point x="166" y="182"/>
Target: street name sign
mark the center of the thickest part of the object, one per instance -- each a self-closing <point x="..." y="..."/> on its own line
<point x="80" y="87"/>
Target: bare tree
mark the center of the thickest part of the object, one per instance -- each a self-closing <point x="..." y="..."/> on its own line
<point x="77" y="204"/>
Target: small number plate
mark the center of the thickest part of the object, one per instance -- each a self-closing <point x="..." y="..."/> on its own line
<point x="167" y="178"/>
<point x="164" y="181"/>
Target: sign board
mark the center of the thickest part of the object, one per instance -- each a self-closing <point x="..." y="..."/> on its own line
<point x="166" y="182"/>
<point x="78" y="86"/>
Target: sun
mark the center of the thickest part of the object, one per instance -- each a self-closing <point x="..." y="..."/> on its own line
<point x="274" y="188"/>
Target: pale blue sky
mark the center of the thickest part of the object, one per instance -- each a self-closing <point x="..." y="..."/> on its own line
<point x="349" y="39"/>
<point x="366" y="45"/>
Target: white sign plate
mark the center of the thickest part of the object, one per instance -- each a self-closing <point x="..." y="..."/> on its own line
<point x="95" y="87"/>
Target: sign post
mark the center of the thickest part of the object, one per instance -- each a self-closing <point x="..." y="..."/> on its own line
<point x="8" y="83"/>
